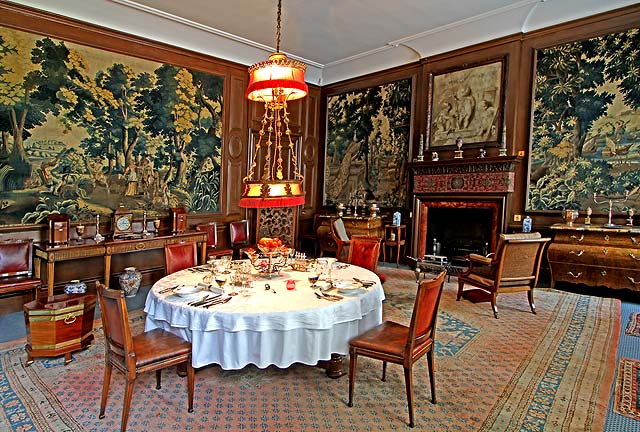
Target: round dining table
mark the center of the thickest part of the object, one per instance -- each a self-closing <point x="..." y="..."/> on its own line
<point x="275" y="326"/>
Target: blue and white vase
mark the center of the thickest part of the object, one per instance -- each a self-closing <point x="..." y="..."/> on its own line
<point x="130" y="281"/>
<point x="75" y="287"/>
<point x="527" y="224"/>
<point x="396" y="219"/>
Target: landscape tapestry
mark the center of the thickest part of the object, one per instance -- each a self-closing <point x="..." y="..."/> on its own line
<point x="85" y="130"/>
<point x="586" y="124"/>
<point x="368" y="145"/>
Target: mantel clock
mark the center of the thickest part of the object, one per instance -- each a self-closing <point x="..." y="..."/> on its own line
<point x="122" y="222"/>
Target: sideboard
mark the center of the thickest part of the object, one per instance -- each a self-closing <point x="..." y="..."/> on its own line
<point x="595" y="256"/>
<point x="50" y="255"/>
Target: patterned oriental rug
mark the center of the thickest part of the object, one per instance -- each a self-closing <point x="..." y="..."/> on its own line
<point x="633" y="328"/>
<point x="552" y="371"/>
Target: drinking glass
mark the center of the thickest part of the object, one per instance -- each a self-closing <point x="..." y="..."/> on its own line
<point x="313" y="279"/>
<point x="221" y="280"/>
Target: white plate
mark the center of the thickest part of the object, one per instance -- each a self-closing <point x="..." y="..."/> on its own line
<point x="345" y="286"/>
<point x="187" y="291"/>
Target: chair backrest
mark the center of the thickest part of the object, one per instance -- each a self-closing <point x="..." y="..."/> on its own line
<point x="211" y="229"/>
<point x="340" y="230"/>
<point x="239" y="232"/>
<point x="115" y="321"/>
<point x="15" y="258"/>
<point x="519" y="257"/>
<point x="179" y="256"/>
<point x="425" y="314"/>
<point x="364" y="252"/>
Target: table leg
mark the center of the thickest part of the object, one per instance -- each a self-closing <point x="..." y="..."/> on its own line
<point x="333" y="367"/>
<point x="107" y="270"/>
<point x="50" y="274"/>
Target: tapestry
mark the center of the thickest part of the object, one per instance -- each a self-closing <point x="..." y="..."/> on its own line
<point x="627" y="396"/>
<point x="367" y="146"/>
<point x="633" y="328"/>
<point x="586" y="124"/>
<point x="84" y="130"/>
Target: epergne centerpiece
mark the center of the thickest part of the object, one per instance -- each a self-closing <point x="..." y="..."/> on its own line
<point x="271" y="258"/>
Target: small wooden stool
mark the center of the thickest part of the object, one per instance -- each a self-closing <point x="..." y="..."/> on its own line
<point x="394" y="237"/>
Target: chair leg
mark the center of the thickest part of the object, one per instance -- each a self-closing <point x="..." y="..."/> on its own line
<point x="494" y="307"/>
<point x="384" y="371"/>
<point x="531" y="304"/>
<point x="128" y="393"/>
<point x="408" y="381"/>
<point x="190" y="374"/>
<point x="432" y="375"/>
<point x="460" y="286"/>
<point x="353" y="363"/>
<point x="105" y="389"/>
<point x="158" y="379"/>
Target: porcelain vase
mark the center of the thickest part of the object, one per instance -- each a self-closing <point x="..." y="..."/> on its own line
<point x="75" y="287"/>
<point x="130" y="281"/>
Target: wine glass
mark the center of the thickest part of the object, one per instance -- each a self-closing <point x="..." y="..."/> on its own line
<point x="313" y="279"/>
<point x="221" y="280"/>
<point x="80" y="232"/>
<point x="156" y="224"/>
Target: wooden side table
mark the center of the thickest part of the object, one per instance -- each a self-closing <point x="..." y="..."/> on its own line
<point x="394" y="237"/>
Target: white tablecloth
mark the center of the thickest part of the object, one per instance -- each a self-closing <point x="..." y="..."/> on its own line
<point x="266" y="328"/>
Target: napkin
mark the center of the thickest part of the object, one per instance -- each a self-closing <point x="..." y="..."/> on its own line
<point x="213" y="289"/>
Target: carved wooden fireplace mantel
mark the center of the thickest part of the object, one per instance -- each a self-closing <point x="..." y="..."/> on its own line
<point x="480" y="175"/>
<point x="479" y="183"/>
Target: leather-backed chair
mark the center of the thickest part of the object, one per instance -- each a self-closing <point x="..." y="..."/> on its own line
<point x="364" y="251"/>
<point x="239" y="235"/>
<point x="150" y="351"/>
<point x="340" y="237"/>
<point x="514" y="267"/>
<point x="179" y="256"/>
<point x="16" y="268"/>
<point x="211" y="228"/>
<point x="312" y="236"/>
<point x="399" y="344"/>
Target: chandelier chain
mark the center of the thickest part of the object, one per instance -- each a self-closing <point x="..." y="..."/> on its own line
<point x="279" y="18"/>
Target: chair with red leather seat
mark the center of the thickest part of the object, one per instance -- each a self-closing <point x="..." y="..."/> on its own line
<point x="364" y="251"/>
<point x="211" y="228"/>
<point x="149" y="351"/>
<point x="16" y="268"/>
<point x="399" y="344"/>
<point x="179" y="256"/>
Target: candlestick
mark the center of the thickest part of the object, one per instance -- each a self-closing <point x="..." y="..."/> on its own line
<point x="421" y="149"/>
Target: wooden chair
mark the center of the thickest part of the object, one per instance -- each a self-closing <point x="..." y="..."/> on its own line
<point x="514" y="267"/>
<point x="312" y="236"/>
<point x="16" y="268"/>
<point x="132" y="355"/>
<point x="239" y="233"/>
<point x="364" y="251"/>
<point x="211" y="228"/>
<point x="340" y="236"/>
<point x="179" y="256"/>
<point x="399" y="344"/>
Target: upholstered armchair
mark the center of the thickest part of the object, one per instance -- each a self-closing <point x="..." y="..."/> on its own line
<point x="364" y="251"/>
<point x="16" y="272"/>
<point x="340" y="236"/>
<point x="514" y="267"/>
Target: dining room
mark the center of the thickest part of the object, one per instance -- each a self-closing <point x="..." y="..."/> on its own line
<point x="257" y="219"/>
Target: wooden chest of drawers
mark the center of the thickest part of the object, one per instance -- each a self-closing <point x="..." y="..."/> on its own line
<point x="595" y="256"/>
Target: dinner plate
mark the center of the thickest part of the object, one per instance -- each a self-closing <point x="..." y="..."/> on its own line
<point x="187" y="291"/>
<point x="346" y="286"/>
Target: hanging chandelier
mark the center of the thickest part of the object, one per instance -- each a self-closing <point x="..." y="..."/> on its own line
<point x="275" y="82"/>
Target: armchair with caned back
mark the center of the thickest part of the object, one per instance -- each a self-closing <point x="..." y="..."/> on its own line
<point x="514" y="267"/>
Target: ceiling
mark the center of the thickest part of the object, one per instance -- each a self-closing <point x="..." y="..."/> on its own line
<point x="338" y="39"/>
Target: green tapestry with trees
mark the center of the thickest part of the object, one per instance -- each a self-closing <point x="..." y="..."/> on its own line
<point x="84" y="130"/>
<point x="586" y="124"/>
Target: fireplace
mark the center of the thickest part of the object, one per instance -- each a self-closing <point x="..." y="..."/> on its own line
<point x="461" y="204"/>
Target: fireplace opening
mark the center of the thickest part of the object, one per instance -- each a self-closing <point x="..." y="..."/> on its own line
<point x="457" y="232"/>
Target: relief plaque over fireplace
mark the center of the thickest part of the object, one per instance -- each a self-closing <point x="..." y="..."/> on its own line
<point x="459" y="205"/>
